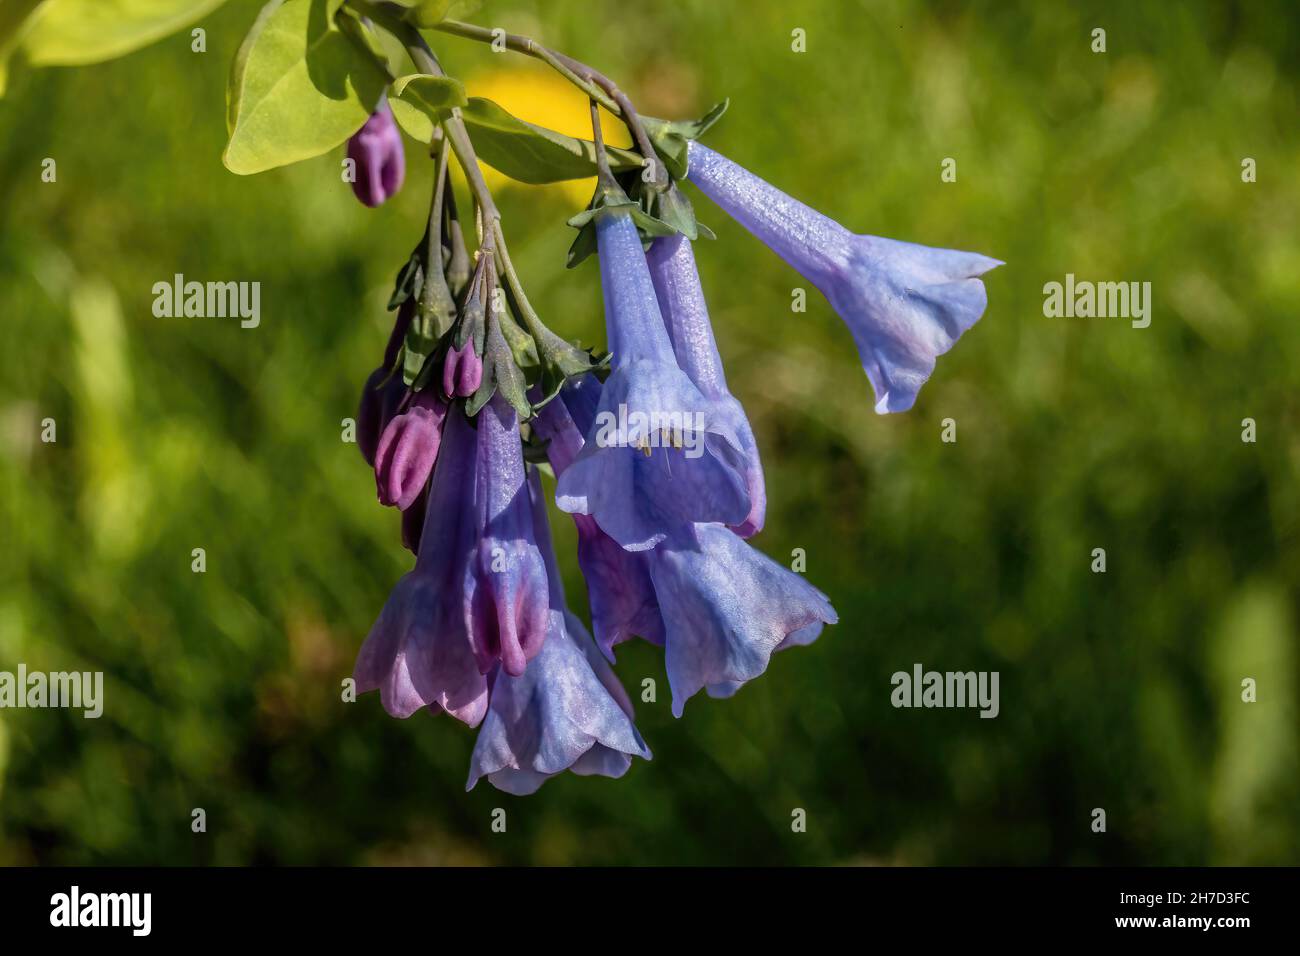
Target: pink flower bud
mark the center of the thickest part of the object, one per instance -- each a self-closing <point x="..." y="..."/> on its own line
<point x="407" y="450"/>
<point x="462" y="371"/>
<point x="376" y="149"/>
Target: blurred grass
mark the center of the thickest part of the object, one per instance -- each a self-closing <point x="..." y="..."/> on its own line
<point x="1119" y="691"/>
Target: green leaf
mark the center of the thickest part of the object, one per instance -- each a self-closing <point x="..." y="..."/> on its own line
<point x="429" y="13"/>
<point x="433" y="97"/>
<point x="671" y="138"/>
<point x="533" y="154"/>
<point x="76" y="32"/>
<point x="299" y="87"/>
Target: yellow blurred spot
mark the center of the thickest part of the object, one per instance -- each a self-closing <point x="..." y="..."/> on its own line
<point x="543" y="97"/>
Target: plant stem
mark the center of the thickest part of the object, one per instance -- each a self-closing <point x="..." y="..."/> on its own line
<point x="595" y="84"/>
<point x="423" y="57"/>
<point x="530" y="47"/>
<point x="535" y="326"/>
<point x="492" y="236"/>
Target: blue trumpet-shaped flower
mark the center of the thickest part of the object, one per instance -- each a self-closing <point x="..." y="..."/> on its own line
<point x="659" y="454"/>
<point x="719" y="607"/>
<point x="681" y="300"/>
<point x="619" y="589"/>
<point x="478" y="594"/>
<point x="905" y="304"/>
<point x="567" y="711"/>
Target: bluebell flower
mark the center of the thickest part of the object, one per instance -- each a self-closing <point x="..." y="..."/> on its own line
<point x="619" y="590"/>
<point x="659" y="454"/>
<point x="905" y="304"/>
<point x="567" y="711"/>
<point x="478" y="594"/>
<point x="727" y="608"/>
<point x="685" y="313"/>
<point x="719" y="607"/>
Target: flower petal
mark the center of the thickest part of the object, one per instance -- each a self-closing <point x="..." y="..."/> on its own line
<point x="726" y="608"/>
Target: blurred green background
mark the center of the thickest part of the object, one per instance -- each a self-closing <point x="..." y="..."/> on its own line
<point x="1119" y="690"/>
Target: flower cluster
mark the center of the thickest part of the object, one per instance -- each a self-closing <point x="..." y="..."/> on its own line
<point x="653" y="458"/>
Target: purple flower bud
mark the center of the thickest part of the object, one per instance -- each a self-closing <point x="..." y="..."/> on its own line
<point x="462" y="371"/>
<point x="408" y="449"/>
<point x="905" y="304"/>
<point x="681" y="300"/>
<point x="659" y="454"/>
<point x="376" y="149"/>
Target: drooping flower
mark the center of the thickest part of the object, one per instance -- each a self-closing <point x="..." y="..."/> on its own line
<point x="659" y="454"/>
<point x="619" y="590"/>
<point x="905" y="304"/>
<point x="376" y="149"/>
<point x="685" y="313"/>
<point x="727" y="608"/>
<point x="567" y="711"/>
<point x="478" y="593"/>
<point x="719" y="607"/>
<point x="407" y="450"/>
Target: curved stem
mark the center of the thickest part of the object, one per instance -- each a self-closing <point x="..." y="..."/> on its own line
<point x="565" y="66"/>
<point x="427" y="62"/>
<point x="526" y="310"/>
<point x="591" y="81"/>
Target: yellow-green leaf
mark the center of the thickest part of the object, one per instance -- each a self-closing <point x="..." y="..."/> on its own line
<point x="433" y="96"/>
<point x="299" y="87"/>
<point x="76" y="32"/>
<point x="429" y="13"/>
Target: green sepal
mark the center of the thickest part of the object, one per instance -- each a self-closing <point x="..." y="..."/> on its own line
<point x="671" y="138"/>
<point x="434" y="316"/>
<point x="410" y="279"/>
<point x="522" y="346"/>
<point x="608" y="198"/>
<point x="584" y="245"/>
<point x="561" y="361"/>
<point x="500" y="373"/>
